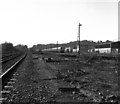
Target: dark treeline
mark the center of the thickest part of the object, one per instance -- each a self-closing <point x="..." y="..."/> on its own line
<point x="9" y="48"/>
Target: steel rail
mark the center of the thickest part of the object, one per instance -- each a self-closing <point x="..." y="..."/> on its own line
<point x="12" y="66"/>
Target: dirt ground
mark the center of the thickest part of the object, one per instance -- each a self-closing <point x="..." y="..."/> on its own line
<point x="53" y="78"/>
<point x="96" y="80"/>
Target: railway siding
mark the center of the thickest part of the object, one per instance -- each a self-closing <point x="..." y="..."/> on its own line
<point x="37" y="80"/>
<point x="30" y="85"/>
<point x="9" y="69"/>
<point x="5" y="78"/>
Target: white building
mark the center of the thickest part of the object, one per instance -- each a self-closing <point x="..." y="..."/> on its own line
<point x="68" y="49"/>
<point x="74" y="50"/>
<point x="113" y="48"/>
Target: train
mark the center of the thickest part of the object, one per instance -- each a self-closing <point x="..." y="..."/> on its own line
<point x="55" y="49"/>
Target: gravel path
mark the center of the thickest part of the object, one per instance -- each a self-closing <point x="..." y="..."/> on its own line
<point x="30" y="86"/>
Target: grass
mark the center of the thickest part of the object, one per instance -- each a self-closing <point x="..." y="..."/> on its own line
<point x="98" y="75"/>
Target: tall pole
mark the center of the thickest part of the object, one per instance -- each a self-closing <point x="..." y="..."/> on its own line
<point x="79" y="37"/>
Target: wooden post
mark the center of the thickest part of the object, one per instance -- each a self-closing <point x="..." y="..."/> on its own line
<point x="79" y="37"/>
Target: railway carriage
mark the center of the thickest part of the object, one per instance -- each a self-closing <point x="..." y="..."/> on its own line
<point x="55" y="49"/>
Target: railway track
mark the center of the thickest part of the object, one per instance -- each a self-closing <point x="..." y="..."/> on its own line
<point x="7" y="79"/>
<point x="8" y="57"/>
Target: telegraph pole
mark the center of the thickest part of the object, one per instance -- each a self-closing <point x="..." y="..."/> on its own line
<point x="79" y="37"/>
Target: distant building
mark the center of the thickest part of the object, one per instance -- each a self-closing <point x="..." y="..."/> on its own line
<point x="68" y="49"/>
<point x="113" y="48"/>
<point x="74" y="50"/>
<point x="91" y="50"/>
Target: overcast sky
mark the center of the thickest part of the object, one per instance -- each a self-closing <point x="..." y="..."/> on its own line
<point x="48" y="21"/>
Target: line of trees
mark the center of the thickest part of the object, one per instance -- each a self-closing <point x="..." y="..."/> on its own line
<point x="8" y="48"/>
